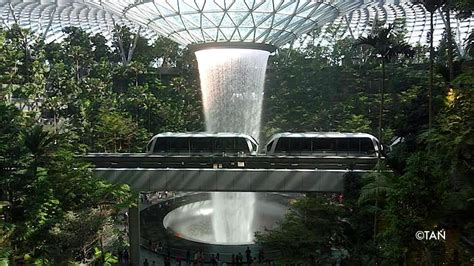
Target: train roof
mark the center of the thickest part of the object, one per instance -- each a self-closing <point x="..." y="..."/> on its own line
<point x="321" y="135"/>
<point x="203" y="134"/>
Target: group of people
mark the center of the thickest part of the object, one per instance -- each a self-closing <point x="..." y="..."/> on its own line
<point x="155" y="247"/>
<point x="236" y="259"/>
<point x="198" y="258"/>
<point x="154" y="197"/>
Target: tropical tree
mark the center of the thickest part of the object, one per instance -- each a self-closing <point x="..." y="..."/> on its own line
<point x="431" y="6"/>
<point x="385" y="47"/>
<point x="168" y="50"/>
<point x="311" y="234"/>
<point x="50" y="196"/>
<point x="447" y="11"/>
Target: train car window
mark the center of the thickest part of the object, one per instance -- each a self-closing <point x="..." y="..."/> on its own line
<point x="294" y="146"/>
<point x="367" y="146"/>
<point x="269" y="146"/>
<point x="254" y="146"/>
<point x="343" y="145"/>
<point x="283" y="145"/>
<point x="161" y="145"/>
<point x="224" y="145"/>
<point x="300" y="146"/>
<point x="178" y="145"/>
<point x="348" y="145"/>
<point x="354" y="145"/>
<point x="229" y="145"/>
<point x="241" y="145"/>
<point x="219" y="145"/>
<point x="324" y="145"/>
<point x="202" y="145"/>
<point x="305" y="145"/>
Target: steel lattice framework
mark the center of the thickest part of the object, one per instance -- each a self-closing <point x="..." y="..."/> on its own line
<point x="274" y="22"/>
<point x="258" y="21"/>
<point x="415" y="18"/>
<point x="48" y="18"/>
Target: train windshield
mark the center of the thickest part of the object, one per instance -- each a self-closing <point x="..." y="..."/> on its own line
<point x="270" y="145"/>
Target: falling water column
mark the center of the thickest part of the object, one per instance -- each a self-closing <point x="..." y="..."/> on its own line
<point x="232" y="82"/>
<point x="232" y="89"/>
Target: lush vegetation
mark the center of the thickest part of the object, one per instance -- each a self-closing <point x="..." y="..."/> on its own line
<point x="426" y="183"/>
<point x="63" y="99"/>
<point x="86" y="95"/>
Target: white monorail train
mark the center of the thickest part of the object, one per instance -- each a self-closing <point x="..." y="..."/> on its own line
<point x="323" y="144"/>
<point x="202" y="143"/>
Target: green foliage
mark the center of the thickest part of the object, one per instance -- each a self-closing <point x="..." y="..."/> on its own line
<point x="378" y="185"/>
<point x="83" y="96"/>
<point x="356" y="123"/>
<point x="386" y="44"/>
<point x="52" y="196"/>
<point x="108" y="258"/>
<point x="116" y="132"/>
<point x="311" y="233"/>
<point x="434" y="190"/>
<point x="77" y="96"/>
<point x="427" y="184"/>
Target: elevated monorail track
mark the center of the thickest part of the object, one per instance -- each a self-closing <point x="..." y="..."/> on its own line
<point x="144" y="160"/>
<point x="152" y="172"/>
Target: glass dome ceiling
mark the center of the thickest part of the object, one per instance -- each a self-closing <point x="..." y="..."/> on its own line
<point x="275" y="22"/>
<point x="416" y="21"/>
<point x="48" y="18"/>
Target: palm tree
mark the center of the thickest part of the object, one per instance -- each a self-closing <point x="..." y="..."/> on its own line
<point x="39" y="142"/>
<point x="431" y="6"/>
<point x="385" y="46"/>
<point x="449" y="35"/>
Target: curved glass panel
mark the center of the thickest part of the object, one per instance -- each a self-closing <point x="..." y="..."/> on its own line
<point x="275" y="22"/>
<point x="271" y="22"/>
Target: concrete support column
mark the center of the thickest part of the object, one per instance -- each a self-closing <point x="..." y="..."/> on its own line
<point x="134" y="234"/>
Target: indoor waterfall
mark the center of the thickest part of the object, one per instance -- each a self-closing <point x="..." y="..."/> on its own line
<point x="232" y="90"/>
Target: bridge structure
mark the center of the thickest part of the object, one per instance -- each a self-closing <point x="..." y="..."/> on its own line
<point x="152" y="172"/>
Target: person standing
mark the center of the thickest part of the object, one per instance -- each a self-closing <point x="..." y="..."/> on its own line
<point x="201" y="257"/>
<point x="188" y="257"/>
<point x="248" y="255"/>
<point x="125" y="257"/>
<point x="213" y="260"/>
<point x="196" y="258"/>
<point x="240" y="259"/>
<point x="167" y="261"/>
<point x="145" y="263"/>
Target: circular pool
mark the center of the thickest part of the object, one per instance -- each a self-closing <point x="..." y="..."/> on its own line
<point x="198" y="222"/>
